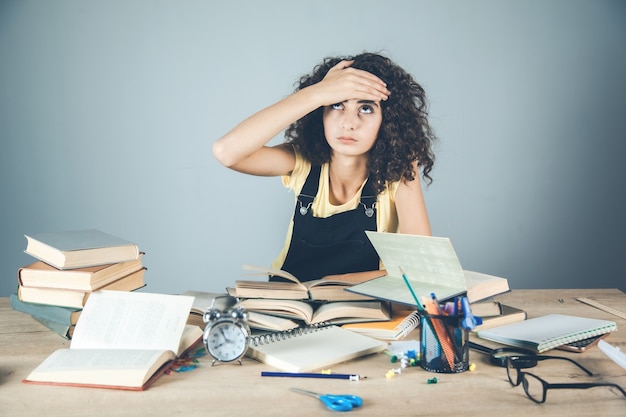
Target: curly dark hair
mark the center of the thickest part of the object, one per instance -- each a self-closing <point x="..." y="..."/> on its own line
<point x="404" y="135"/>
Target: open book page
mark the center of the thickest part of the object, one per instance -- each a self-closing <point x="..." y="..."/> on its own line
<point x="270" y="289"/>
<point x="293" y="309"/>
<point x="261" y="270"/>
<point x="261" y="321"/>
<point x="352" y="311"/>
<point x="106" y="367"/>
<point x="330" y="288"/>
<point x="132" y="320"/>
<point x="430" y="264"/>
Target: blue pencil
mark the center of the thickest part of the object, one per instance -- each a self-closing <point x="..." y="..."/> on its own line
<point x="351" y="377"/>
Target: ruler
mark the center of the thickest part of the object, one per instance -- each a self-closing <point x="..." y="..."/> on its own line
<point x="602" y="307"/>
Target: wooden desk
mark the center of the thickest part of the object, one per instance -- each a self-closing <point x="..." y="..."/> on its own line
<point x="233" y="390"/>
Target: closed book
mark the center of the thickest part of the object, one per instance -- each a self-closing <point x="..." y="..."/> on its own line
<point x="63" y="315"/>
<point x="547" y="332"/>
<point x="40" y="274"/>
<point x="76" y="298"/>
<point x="80" y="248"/>
<point x="486" y="308"/>
<point x="508" y="315"/>
<point x="63" y="330"/>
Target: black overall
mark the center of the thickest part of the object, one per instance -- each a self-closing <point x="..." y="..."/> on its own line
<point x="331" y="245"/>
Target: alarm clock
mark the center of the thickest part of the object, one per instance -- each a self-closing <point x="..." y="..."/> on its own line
<point x="226" y="336"/>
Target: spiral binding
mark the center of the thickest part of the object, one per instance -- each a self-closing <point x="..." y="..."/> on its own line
<point x="267" y="338"/>
<point x="409" y="323"/>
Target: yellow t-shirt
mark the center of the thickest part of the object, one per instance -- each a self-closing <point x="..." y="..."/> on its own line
<point x="386" y="215"/>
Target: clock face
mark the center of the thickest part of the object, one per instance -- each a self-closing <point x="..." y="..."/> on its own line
<point x="227" y="341"/>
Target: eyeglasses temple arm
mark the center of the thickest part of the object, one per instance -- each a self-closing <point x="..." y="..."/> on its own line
<point x="587" y="371"/>
<point x="583" y="385"/>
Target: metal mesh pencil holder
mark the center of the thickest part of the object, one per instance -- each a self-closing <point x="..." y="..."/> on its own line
<point x="444" y="346"/>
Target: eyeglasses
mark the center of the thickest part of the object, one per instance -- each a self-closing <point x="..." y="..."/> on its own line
<point x="537" y="388"/>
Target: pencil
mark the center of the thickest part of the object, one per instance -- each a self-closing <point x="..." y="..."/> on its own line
<point x="351" y="377"/>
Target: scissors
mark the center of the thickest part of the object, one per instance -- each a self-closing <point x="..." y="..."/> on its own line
<point x="334" y="402"/>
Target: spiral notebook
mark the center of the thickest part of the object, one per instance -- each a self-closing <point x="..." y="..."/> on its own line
<point x="547" y="332"/>
<point x="311" y="348"/>
<point x="395" y="329"/>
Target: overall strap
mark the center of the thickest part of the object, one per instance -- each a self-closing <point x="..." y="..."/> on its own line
<point x="309" y="190"/>
<point x="311" y="185"/>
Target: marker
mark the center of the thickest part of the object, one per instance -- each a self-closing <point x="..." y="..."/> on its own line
<point x="351" y="377"/>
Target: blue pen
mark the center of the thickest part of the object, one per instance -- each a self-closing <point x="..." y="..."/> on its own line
<point x="470" y="321"/>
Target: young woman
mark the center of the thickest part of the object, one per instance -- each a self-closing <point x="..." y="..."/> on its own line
<point x="357" y="138"/>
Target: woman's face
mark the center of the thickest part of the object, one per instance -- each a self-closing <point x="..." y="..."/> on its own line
<point x="351" y="127"/>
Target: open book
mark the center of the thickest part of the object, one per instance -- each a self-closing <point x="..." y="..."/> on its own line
<point x="122" y="340"/>
<point x="508" y="314"/>
<point x="321" y="289"/>
<point x="202" y="301"/>
<point x="431" y="266"/>
<point x="337" y="312"/>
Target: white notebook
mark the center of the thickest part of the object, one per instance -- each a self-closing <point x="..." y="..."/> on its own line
<point x="311" y="348"/>
<point x="547" y="332"/>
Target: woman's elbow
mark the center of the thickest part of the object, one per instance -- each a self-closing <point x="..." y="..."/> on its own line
<point x="220" y="152"/>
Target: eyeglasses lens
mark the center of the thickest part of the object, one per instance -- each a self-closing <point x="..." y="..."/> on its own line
<point x="512" y="371"/>
<point x="534" y="388"/>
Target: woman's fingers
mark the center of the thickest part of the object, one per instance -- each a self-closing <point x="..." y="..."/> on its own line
<point x="342" y="82"/>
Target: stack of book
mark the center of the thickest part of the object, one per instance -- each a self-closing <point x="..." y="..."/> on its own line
<point x="70" y="266"/>
<point x="277" y="306"/>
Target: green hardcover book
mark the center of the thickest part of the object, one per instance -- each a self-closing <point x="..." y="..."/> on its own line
<point x="58" y="314"/>
<point x="63" y="330"/>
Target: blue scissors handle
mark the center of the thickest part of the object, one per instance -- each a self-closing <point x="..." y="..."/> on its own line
<point x="341" y="402"/>
<point x="335" y="402"/>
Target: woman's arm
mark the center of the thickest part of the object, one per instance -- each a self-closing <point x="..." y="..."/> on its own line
<point x="244" y="148"/>
<point x="411" y="208"/>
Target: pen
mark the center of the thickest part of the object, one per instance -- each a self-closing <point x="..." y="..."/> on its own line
<point x="351" y="377"/>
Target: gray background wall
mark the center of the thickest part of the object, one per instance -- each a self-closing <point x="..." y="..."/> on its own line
<point x="108" y="111"/>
